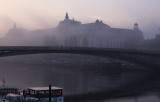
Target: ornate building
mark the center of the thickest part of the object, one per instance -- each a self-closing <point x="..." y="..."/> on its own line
<point x="70" y="32"/>
<point x="97" y="34"/>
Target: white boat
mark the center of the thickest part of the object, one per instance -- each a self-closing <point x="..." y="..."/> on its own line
<point x="13" y="98"/>
<point x="4" y="90"/>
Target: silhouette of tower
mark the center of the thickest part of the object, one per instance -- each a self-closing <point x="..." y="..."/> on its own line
<point x="136" y="26"/>
<point x="97" y="21"/>
<point x="67" y="17"/>
<point x="101" y="21"/>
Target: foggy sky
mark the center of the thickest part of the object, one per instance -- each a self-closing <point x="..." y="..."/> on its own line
<point x="39" y="14"/>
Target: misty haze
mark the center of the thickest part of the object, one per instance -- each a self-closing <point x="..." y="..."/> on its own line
<point x="79" y="51"/>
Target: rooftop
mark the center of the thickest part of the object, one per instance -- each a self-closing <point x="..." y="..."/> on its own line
<point x="7" y="87"/>
<point x="44" y="88"/>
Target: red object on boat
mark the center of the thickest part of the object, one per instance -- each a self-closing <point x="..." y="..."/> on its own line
<point x="58" y="93"/>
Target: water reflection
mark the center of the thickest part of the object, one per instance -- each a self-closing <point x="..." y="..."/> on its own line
<point x="76" y="80"/>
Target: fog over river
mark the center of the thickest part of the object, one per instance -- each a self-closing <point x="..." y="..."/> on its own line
<point x="74" y="79"/>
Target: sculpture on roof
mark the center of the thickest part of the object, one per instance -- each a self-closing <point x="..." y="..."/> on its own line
<point x="67" y="17"/>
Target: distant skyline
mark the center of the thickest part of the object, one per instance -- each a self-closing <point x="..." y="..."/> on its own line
<point x="41" y="14"/>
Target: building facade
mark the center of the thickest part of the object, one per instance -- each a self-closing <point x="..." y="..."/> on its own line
<point x="97" y="34"/>
<point x="72" y="33"/>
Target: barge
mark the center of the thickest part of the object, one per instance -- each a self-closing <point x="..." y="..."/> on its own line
<point x="45" y="94"/>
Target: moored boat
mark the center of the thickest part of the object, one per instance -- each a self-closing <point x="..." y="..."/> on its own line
<point x="4" y="90"/>
<point x="45" y="94"/>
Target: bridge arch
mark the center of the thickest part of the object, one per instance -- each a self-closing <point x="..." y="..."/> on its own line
<point x="148" y="59"/>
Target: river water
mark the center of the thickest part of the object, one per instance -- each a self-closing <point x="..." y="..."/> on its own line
<point x="76" y="80"/>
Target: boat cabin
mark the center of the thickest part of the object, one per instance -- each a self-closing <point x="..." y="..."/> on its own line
<point x="42" y="92"/>
<point x="7" y="89"/>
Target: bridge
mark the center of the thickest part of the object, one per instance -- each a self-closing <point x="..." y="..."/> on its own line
<point x="149" y="59"/>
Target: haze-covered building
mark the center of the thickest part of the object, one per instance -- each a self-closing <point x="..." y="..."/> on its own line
<point x="20" y="37"/>
<point x="97" y="34"/>
<point x="70" y="32"/>
<point x="152" y="44"/>
<point x="14" y="37"/>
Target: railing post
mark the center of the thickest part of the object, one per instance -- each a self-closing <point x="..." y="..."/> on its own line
<point x="49" y="93"/>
